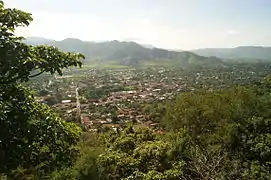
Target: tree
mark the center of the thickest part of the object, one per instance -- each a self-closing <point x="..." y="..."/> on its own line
<point x="18" y="60"/>
<point x="230" y="125"/>
<point x="32" y="136"/>
<point x="138" y="154"/>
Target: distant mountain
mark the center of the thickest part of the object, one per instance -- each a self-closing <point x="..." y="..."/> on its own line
<point x="242" y="52"/>
<point x="38" y="41"/>
<point x="126" y="53"/>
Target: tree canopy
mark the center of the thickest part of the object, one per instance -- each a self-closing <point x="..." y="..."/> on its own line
<point x="32" y="136"/>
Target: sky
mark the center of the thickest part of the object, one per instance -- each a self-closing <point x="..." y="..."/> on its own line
<point x="170" y="24"/>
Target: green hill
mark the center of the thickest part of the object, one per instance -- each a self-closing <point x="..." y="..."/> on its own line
<point x="127" y="53"/>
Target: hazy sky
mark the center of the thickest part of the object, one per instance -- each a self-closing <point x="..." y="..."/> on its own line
<point x="173" y="24"/>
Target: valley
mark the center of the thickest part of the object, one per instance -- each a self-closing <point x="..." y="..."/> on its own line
<point x="133" y="91"/>
<point x="114" y="97"/>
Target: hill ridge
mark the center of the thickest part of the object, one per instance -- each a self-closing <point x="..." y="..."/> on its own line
<point x="127" y="52"/>
<point x="249" y="52"/>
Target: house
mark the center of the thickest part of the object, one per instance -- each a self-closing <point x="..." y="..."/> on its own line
<point x="66" y="101"/>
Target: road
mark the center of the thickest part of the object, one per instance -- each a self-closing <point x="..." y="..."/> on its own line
<point x="78" y="105"/>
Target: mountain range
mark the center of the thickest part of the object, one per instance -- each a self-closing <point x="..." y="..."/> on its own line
<point x="131" y="53"/>
<point x="241" y="52"/>
<point x="126" y="53"/>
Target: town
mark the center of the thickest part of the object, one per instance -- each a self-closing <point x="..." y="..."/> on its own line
<point x="109" y="98"/>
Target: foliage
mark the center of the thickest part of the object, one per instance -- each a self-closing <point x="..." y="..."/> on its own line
<point x="31" y="134"/>
<point x="18" y="59"/>
<point x="96" y="93"/>
<point x="33" y="139"/>
<point x="132" y="154"/>
<point x="235" y="122"/>
<point x="223" y="134"/>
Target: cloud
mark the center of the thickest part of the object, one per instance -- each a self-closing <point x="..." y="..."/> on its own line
<point x="59" y="26"/>
<point x="142" y="30"/>
<point x="232" y="33"/>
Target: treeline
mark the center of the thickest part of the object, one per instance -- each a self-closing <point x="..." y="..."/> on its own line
<point x="100" y="92"/>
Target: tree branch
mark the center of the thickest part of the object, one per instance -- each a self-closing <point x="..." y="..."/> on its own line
<point x="4" y="20"/>
<point x="17" y="78"/>
<point x="31" y="76"/>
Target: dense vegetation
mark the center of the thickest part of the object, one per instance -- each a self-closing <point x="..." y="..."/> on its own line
<point x="218" y="130"/>
<point x="96" y="93"/>
<point x="33" y="139"/>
